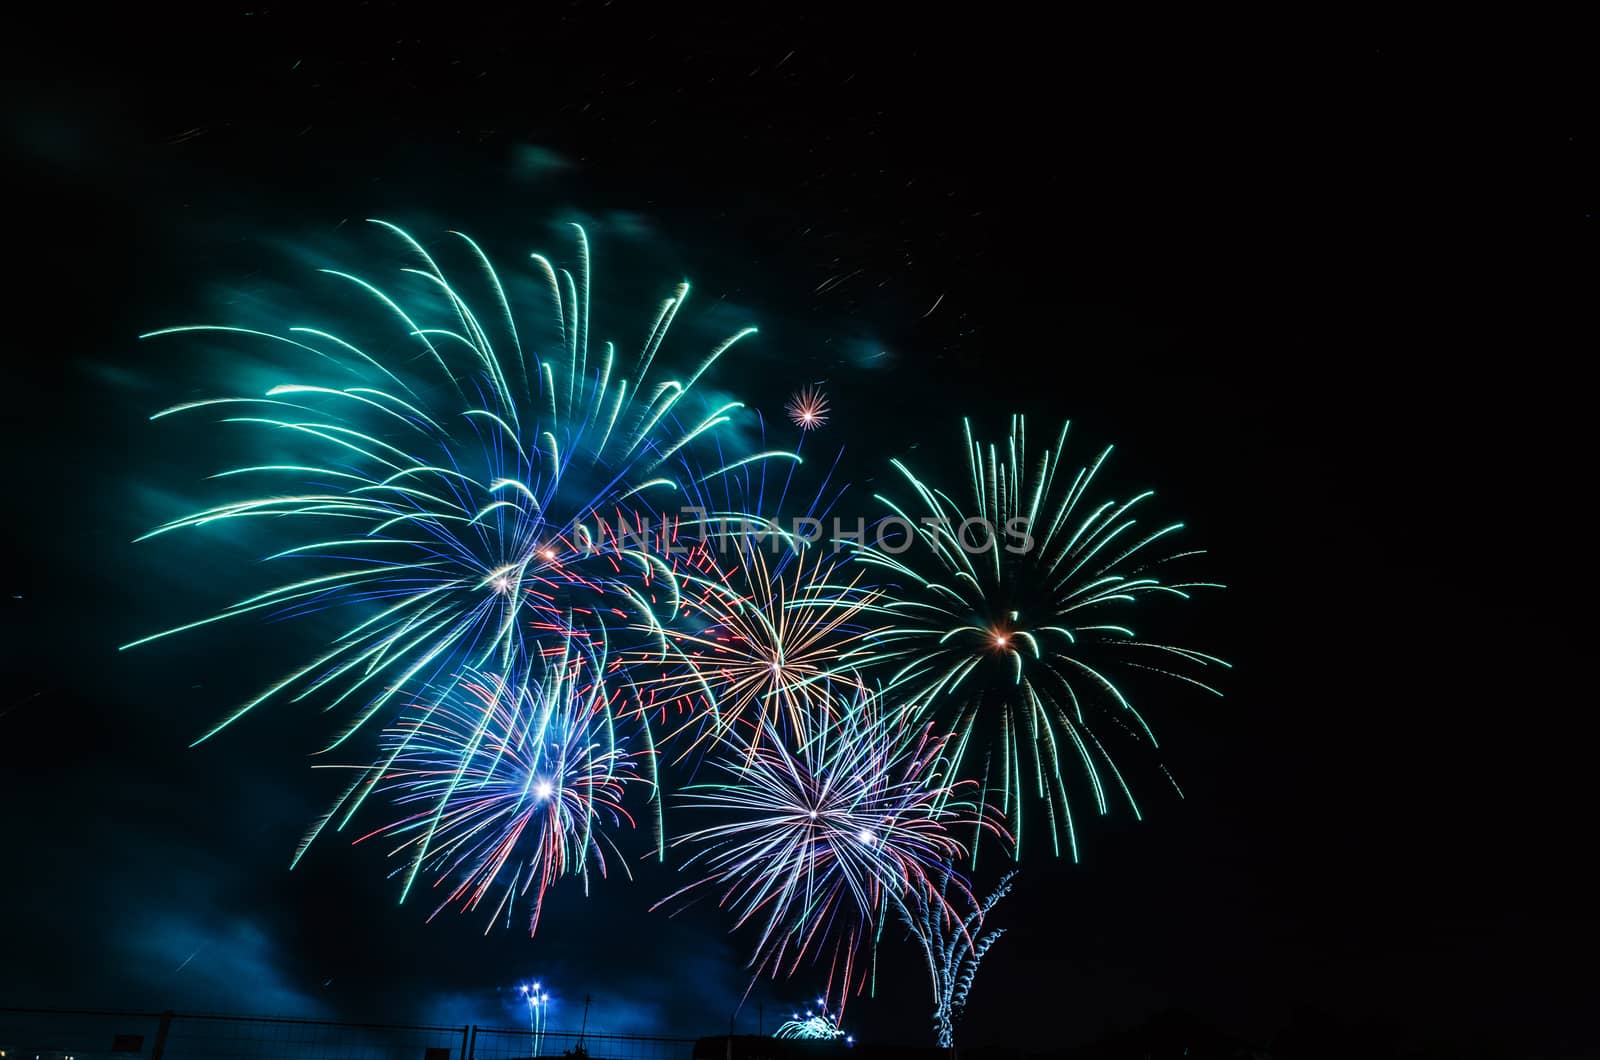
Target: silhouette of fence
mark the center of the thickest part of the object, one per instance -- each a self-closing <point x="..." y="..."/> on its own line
<point x="87" y="1034"/>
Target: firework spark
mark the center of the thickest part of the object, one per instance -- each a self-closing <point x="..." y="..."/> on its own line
<point x="824" y="827"/>
<point x="762" y="641"/>
<point x="509" y="782"/>
<point x="808" y="408"/>
<point x="456" y="507"/>
<point x="1013" y="613"/>
<point x="816" y="1025"/>
<point x="538" y="1000"/>
<point x="952" y="946"/>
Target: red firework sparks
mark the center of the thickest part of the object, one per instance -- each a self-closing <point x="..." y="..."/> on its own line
<point x="808" y="409"/>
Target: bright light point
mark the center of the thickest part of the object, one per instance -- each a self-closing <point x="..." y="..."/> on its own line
<point x="808" y="408"/>
<point x="1000" y="640"/>
<point x="813" y="815"/>
<point x="542" y="790"/>
<point x="501" y="584"/>
<point x="547" y="554"/>
<point x="866" y="837"/>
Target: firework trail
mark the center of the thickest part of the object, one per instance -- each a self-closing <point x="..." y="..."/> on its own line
<point x="538" y="1014"/>
<point x="1013" y="613"/>
<point x="506" y="786"/>
<point x="953" y="946"/>
<point x="821" y="829"/>
<point x="467" y="488"/>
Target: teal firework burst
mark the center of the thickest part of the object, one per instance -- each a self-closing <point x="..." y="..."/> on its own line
<point x="1013" y="621"/>
<point x="472" y="490"/>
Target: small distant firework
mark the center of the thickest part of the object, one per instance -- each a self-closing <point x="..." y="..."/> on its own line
<point x="509" y="783"/>
<point x="1011" y="614"/>
<point x="815" y="1025"/>
<point x="825" y="826"/>
<point x="952" y="945"/>
<point x="808" y="408"/>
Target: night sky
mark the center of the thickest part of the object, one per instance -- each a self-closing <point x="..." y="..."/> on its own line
<point x="1320" y="285"/>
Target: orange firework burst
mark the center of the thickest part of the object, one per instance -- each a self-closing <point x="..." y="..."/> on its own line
<point x="756" y="645"/>
<point x="808" y="408"/>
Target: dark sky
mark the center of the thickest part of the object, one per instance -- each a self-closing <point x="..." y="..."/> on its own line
<point x="1321" y="284"/>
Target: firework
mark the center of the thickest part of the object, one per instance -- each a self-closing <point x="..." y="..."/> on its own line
<point x="1013" y="617"/>
<point x="462" y="498"/>
<point x="816" y="1025"/>
<point x="507" y="785"/>
<point x="808" y="408"/>
<point x="760" y="640"/>
<point x="953" y="946"/>
<point x="538" y="1001"/>
<point x="823" y="827"/>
